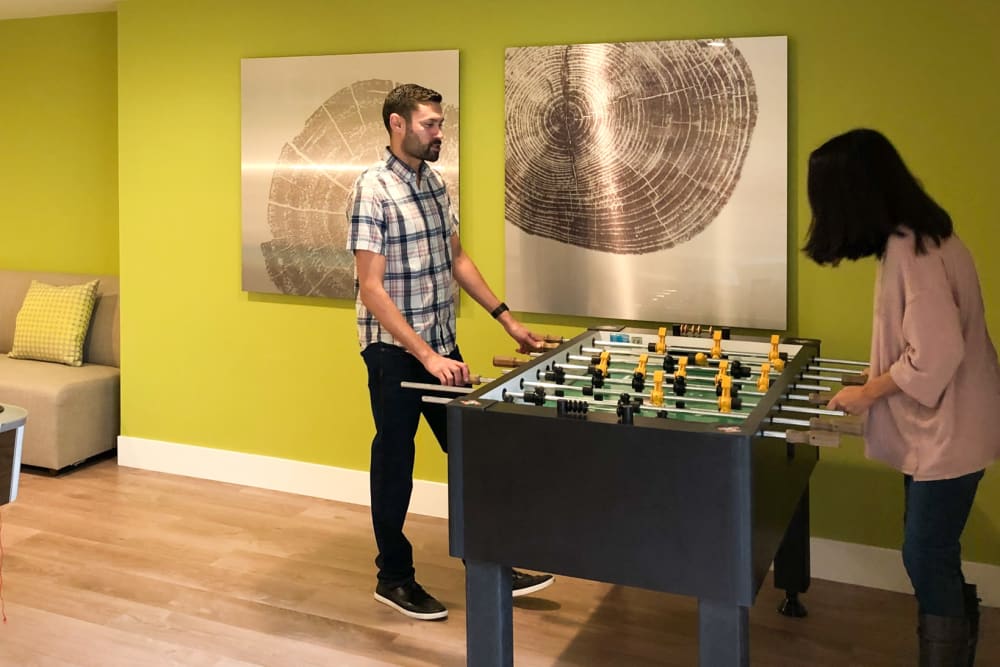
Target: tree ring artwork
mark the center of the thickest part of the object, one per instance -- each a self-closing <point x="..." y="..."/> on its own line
<point x="658" y="162"/>
<point x="311" y="125"/>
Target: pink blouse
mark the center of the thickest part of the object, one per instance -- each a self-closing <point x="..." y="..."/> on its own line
<point x="929" y="332"/>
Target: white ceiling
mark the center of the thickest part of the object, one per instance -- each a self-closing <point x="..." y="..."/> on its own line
<point x="19" y="9"/>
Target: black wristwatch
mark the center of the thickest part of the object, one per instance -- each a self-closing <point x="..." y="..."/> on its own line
<point x="499" y="310"/>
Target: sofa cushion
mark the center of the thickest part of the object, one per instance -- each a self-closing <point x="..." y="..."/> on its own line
<point x="101" y="346"/>
<point x="73" y="413"/>
<point x="53" y="321"/>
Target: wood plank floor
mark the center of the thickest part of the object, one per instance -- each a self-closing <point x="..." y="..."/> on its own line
<point x="109" y="566"/>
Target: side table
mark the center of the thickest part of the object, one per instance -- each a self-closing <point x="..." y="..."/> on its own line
<point x="12" y="420"/>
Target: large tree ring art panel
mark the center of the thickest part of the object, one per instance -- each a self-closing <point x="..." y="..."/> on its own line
<point x="648" y="180"/>
<point x="310" y="126"/>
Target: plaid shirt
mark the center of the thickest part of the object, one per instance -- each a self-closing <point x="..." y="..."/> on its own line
<point x="411" y="224"/>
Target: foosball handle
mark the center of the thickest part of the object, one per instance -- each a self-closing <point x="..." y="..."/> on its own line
<point x="849" y="424"/>
<point x="853" y="380"/>
<point x="816" y="438"/>
<point x="508" y="362"/>
<point x="815" y="398"/>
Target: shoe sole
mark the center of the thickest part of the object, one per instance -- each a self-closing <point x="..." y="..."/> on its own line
<point x="429" y="616"/>
<point x="533" y="589"/>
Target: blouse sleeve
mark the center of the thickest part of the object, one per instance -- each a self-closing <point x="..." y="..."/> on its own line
<point x="933" y="345"/>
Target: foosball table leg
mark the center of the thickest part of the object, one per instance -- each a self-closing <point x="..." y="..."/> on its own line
<point x="791" y="564"/>
<point x="489" y="615"/>
<point x="723" y="635"/>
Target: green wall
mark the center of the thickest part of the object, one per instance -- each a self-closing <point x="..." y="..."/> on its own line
<point x="58" y="144"/>
<point x="207" y="364"/>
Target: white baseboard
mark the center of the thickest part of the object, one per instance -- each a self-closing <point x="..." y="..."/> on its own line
<point x="268" y="472"/>
<point x="876" y="567"/>
<point x="845" y="562"/>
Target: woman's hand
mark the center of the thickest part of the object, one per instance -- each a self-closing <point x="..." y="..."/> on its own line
<point x="852" y="400"/>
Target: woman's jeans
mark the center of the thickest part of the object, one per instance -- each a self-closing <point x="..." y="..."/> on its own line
<point x="934" y="517"/>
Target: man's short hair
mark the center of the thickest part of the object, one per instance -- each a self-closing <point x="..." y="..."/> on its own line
<point x="404" y="100"/>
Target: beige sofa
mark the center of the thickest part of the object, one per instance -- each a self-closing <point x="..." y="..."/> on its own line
<point x="73" y="412"/>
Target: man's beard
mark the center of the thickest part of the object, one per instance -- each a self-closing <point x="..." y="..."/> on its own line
<point x="428" y="152"/>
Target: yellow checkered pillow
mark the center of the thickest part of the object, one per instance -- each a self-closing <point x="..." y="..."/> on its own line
<point x="53" y="321"/>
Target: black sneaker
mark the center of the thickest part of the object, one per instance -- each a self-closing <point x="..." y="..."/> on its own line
<point x="411" y="600"/>
<point x="523" y="583"/>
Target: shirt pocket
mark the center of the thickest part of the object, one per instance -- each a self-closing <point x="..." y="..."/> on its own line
<point x="410" y="248"/>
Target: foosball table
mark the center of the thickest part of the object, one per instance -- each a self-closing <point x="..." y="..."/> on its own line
<point x="663" y="460"/>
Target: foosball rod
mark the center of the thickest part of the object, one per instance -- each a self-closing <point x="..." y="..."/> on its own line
<point x="822" y="431"/>
<point x="813" y="398"/>
<point x="849" y="362"/>
<point x="741" y="381"/>
<point x="705" y="370"/>
<point x="819" y="434"/>
<point x="436" y="399"/>
<point x="654" y="363"/>
<point x="427" y="386"/>
<point x="626" y="382"/>
<point x="611" y="406"/>
<point x="820" y="368"/>
<point x="666" y="397"/>
<point x="629" y="368"/>
<point x="808" y="437"/>
<point x="842" y="379"/>
<point x="630" y="349"/>
<point x="451" y="389"/>
<point x="779" y="408"/>
<point x="842" y="375"/>
<point x="845" y="376"/>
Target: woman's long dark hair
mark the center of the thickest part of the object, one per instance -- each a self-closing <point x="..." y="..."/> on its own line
<point x="861" y="192"/>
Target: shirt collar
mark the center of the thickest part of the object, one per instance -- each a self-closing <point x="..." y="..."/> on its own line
<point x="401" y="169"/>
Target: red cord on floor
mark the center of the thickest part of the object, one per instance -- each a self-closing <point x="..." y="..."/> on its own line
<point x="3" y="608"/>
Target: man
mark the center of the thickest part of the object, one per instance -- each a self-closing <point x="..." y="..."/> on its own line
<point x="404" y="235"/>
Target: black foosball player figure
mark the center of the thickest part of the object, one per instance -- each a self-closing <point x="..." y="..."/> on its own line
<point x="404" y="235"/>
<point x="930" y="401"/>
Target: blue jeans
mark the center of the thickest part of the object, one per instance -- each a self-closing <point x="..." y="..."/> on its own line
<point x="397" y="414"/>
<point x="934" y="517"/>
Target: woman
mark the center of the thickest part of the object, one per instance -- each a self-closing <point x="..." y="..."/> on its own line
<point x="932" y="399"/>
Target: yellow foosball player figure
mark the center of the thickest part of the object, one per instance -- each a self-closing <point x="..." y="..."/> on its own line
<point x="656" y="393"/>
<point x="716" y="352"/>
<point x="764" y="380"/>
<point x="660" y="346"/>
<point x="639" y="374"/>
<point x="725" y="400"/>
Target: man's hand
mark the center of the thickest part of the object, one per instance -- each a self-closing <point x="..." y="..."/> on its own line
<point x="450" y="372"/>
<point x="526" y="341"/>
